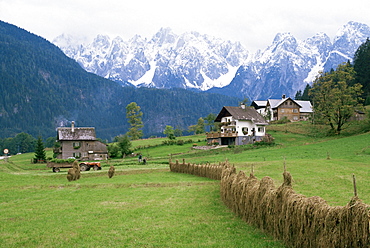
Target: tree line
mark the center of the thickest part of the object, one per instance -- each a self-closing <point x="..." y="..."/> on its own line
<point x="24" y="143"/>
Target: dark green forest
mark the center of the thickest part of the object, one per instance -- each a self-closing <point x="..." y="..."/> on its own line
<point x="42" y="89"/>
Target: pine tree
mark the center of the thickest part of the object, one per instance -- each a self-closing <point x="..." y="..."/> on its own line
<point x="298" y="95"/>
<point x="305" y="94"/>
<point x="40" y="154"/>
<point x="134" y="117"/>
<point x="361" y="65"/>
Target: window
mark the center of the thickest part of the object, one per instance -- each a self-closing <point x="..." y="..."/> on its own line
<point x="77" y="154"/>
<point x="76" y="145"/>
<point x="295" y="110"/>
<point x="261" y="129"/>
<point x="245" y="130"/>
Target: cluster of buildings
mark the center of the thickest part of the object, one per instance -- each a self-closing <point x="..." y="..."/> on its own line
<point x="244" y="125"/>
<point x="240" y="125"/>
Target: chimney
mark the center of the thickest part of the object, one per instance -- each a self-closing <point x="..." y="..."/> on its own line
<point x="284" y="96"/>
<point x="73" y="126"/>
<point x="242" y="105"/>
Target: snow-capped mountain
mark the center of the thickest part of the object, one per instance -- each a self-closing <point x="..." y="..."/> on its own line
<point x="190" y="60"/>
<point x="202" y="62"/>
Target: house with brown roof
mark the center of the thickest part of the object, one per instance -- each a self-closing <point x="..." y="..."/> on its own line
<point x="239" y="126"/>
<point x="80" y="143"/>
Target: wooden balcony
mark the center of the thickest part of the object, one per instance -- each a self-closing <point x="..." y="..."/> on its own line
<point x="229" y="124"/>
<point x="221" y="135"/>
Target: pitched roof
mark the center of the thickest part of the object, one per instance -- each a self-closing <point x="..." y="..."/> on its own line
<point x="239" y="113"/>
<point x="79" y="133"/>
<point x="259" y="104"/>
<point x="274" y="103"/>
<point x="306" y="106"/>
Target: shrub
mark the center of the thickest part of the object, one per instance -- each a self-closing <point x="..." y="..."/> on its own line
<point x="60" y="161"/>
<point x="281" y="121"/>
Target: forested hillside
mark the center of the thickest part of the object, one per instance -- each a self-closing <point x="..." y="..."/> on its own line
<point x="42" y="89"/>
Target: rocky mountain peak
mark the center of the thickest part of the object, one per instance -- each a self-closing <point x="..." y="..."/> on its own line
<point x="202" y="62"/>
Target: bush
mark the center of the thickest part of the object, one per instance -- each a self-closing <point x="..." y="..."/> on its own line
<point x="60" y="161"/>
<point x="281" y="121"/>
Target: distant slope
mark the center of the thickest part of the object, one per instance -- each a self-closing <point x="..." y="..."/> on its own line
<point x="42" y="89"/>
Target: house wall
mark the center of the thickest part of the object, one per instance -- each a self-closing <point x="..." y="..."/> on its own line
<point x="242" y="127"/>
<point x="83" y="150"/>
<point x="287" y="109"/>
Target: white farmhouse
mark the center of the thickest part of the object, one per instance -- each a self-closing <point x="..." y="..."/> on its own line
<point x="239" y="126"/>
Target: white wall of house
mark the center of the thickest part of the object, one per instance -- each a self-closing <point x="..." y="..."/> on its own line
<point x="242" y="127"/>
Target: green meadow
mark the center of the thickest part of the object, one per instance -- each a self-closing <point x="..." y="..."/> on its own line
<point x="149" y="206"/>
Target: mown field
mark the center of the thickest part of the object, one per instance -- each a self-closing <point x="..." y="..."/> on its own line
<point x="148" y="206"/>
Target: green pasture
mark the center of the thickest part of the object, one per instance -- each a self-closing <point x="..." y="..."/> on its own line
<point x="149" y="206"/>
<point x="141" y="206"/>
<point x="321" y="166"/>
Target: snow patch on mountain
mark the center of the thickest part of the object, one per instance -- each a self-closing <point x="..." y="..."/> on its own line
<point x="197" y="61"/>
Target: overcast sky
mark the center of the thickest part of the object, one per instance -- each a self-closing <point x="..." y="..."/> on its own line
<point x="253" y="23"/>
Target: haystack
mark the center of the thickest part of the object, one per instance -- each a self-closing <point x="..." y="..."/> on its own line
<point x="111" y="171"/>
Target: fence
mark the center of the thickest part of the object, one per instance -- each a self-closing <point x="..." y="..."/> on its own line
<point x="297" y="220"/>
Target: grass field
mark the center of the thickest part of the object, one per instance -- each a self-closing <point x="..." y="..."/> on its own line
<point x="141" y="206"/>
<point x="148" y="206"/>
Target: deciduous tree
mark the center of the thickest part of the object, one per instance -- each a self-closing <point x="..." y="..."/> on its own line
<point x="334" y="99"/>
<point x="169" y="132"/>
<point x="124" y="144"/>
<point x="198" y="128"/>
<point x="211" y="122"/>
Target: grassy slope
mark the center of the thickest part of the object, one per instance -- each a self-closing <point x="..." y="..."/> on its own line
<point x="319" y="166"/>
<point x="148" y="206"/>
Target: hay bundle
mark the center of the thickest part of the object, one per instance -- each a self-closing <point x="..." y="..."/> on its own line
<point x="264" y="204"/>
<point x="291" y="215"/>
<point x="74" y="173"/>
<point x="211" y="171"/>
<point x="312" y="217"/>
<point x="228" y="176"/>
<point x="77" y="169"/>
<point x="235" y="187"/>
<point x="71" y="175"/>
<point x="355" y="224"/>
<point x="111" y="171"/>
<point x="248" y="191"/>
